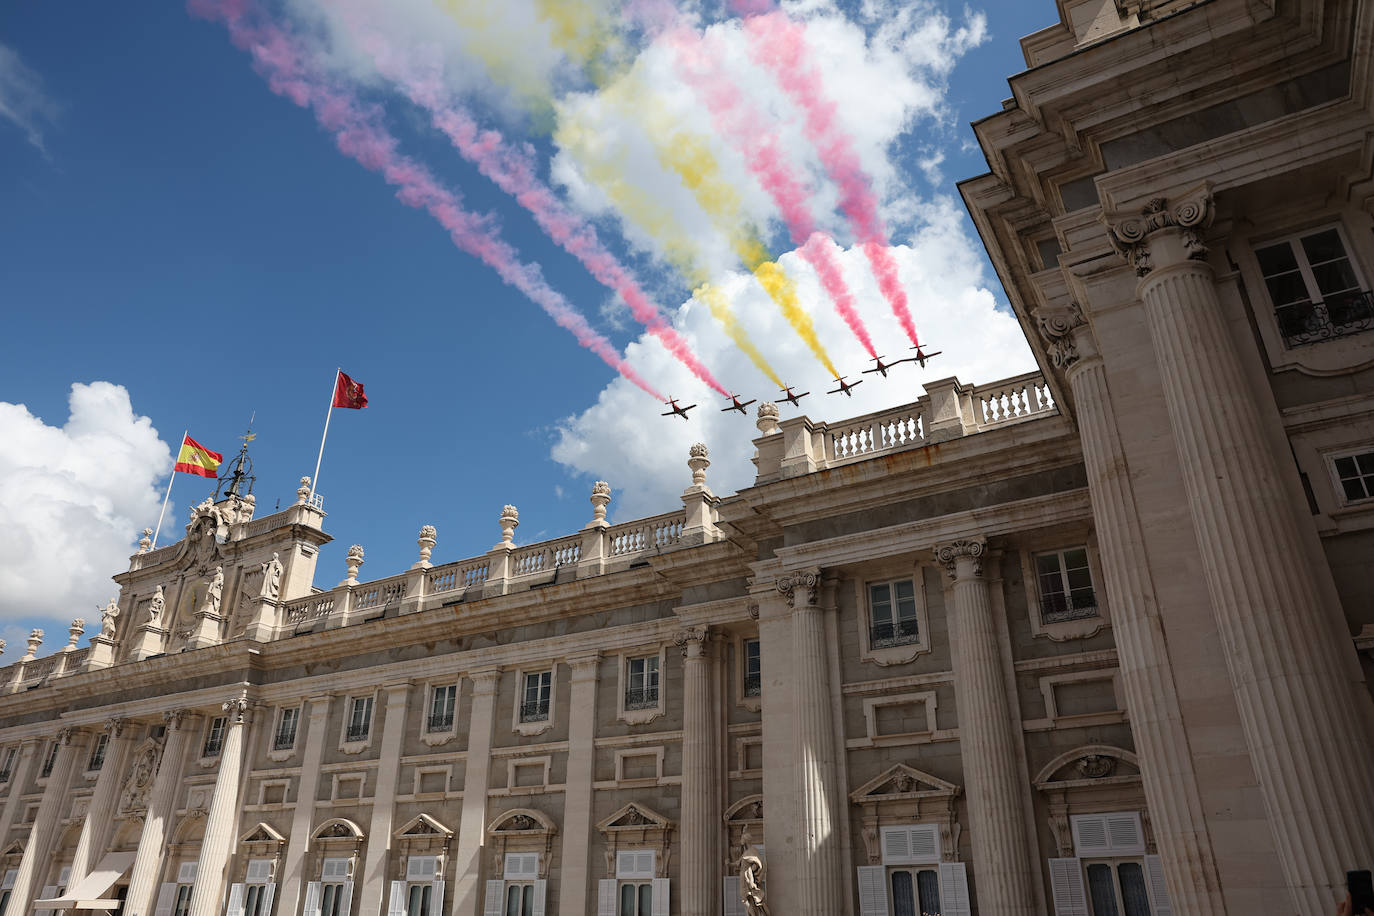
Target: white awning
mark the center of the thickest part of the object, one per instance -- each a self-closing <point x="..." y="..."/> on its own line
<point x="87" y="893"/>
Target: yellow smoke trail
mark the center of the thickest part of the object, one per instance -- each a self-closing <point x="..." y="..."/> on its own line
<point x="489" y="40"/>
<point x="719" y="304"/>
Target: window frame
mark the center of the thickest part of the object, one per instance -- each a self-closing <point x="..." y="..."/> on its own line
<point x="452" y="717"/>
<point x="10" y="758"/>
<point x="1060" y="541"/>
<point x="750" y="701"/>
<point x="100" y="747"/>
<point x="281" y="716"/>
<point x="48" y="762"/>
<point x="534" y="726"/>
<point x="1314" y="292"/>
<point x="356" y="745"/>
<point x="1330" y="459"/>
<point x="642" y="715"/>
<point x="215" y="729"/>
<point x="890" y="574"/>
<point x="1114" y="864"/>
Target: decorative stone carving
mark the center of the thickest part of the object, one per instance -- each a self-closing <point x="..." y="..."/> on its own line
<point x="752" y="606"/>
<point x="236" y="708"/>
<point x="134" y="796"/>
<point x="35" y="640"/>
<point x="1057" y="327"/>
<point x="116" y="727"/>
<point x="1130" y="235"/>
<point x="303" y="492"/>
<point x="799" y="587"/>
<point x="767" y="422"/>
<point x="157" y="605"/>
<point x="753" y="880"/>
<point x="145" y="543"/>
<point x="600" y="499"/>
<point x="1095" y="766"/>
<point x="65" y="736"/>
<point x="948" y="555"/>
<point x="271" y="578"/>
<point x="109" y="614"/>
<point x="692" y="640"/>
<point x="174" y="719"/>
<point x="214" y="593"/>
<point x="637" y="826"/>
<point x="353" y="560"/>
<point x="902" y="793"/>
<point x="699" y="460"/>
<point x="429" y="536"/>
<point x="510" y="520"/>
<point x="78" y="627"/>
<point x="521" y="830"/>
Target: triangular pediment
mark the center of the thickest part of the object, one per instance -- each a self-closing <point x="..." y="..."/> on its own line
<point x="14" y="849"/>
<point x="636" y="817"/>
<point x="902" y="781"/>
<point x="262" y="833"/>
<point x="422" y="826"/>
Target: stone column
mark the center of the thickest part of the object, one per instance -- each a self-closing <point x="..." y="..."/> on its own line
<point x="95" y="828"/>
<point x="19" y="778"/>
<point x="574" y="877"/>
<point x="819" y="878"/>
<point x="374" y="880"/>
<point x="701" y="814"/>
<point x="1177" y="816"/>
<point x="152" y="842"/>
<point x="1287" y="650"/>
<point x="303" y="817"/>
<point x="472" y="827"/>
<point x="997" y="824"/>
<point x="37" y="852"/>
<point x="222" y="822"/>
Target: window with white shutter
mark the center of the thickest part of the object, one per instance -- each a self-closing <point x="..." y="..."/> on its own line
<point x="634" y="863"/>
<point x="911" y="844"/>
<point x="732" y="904"/>
<point x="396" y="900"/>
<point x="259" y="871"/>
<point x="495" y="898"/>
<point x="1159" y="893"/>
<point x="606" y="890"/>
<point x="872" y="885"/>
<point x="166" y="899"/>
<point x="660" y="888"/>
<point x="312" y="899"/>
<point x="523" y="892"/>
<point x="954" y="889"/>
<point x="1113" y="834"/>
<point x="235" y="905"/>
<point x="336" y="887"/>
<point x="1066" y="883"/>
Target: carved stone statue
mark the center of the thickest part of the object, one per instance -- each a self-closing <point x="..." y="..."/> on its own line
<point x="271" y="577"/>
<point x="108" y="615"/>
<point x="215" y="592"/>
<point x="752" y="880"/>
<point x="140" y="781"/>
<point x="157" y="605"/>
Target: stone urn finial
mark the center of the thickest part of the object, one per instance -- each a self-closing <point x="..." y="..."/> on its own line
<point x="429" y="536"/>
<point x="77" y="628"/>
<point x="510" y="520"/>
<point x="303" y="492"/>
<point x="35" y="640"/>
<point x="145" y="543"/>
<point x="600" y="498"/>
<point x="354" y="560"/>
<point x="2" y="647"/>
<point x="768" y="418"/>
<point x="698" y="460"/>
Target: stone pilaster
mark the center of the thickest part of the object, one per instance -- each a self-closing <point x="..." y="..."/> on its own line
<point x="575" y="871"/>
<point x="38" y="851"/>
<point x="1161" y="741"/>
<point x="701" y="814"/>
<point x="472" y="827"/>
<point x="374" y="880"/>
<point x="220" y="826"/>
<point x="819" y="878"/>
<point x="152" y="842"/>
<point x="28" y="749"/>
<point x="303" y="817"/>
<point x="997" y="827"/>
<point x="95" y="828"/>
<point x="1286" y="650"/>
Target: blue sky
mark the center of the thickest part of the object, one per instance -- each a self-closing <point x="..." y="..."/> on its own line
<point x="170" y="226"/>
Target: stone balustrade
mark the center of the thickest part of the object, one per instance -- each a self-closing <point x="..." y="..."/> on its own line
<point x="1010" y="400"/>
<point x="546" y="556"/>
<point x="650" y="534"/>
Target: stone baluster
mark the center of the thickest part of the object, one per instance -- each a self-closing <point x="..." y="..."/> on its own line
<point x="152" y="842"/>
<point x="575" y="870"/>
<point x="303" y="817"/>
<point x="222" y="821"/>
<point x="1167" y="774"/>
<point x="392" y="741"/>
<point x="472" y="827"/>
<point x="1286" y="648"/>
<point x="71" y="742"/>
<point x="995" y="792"/>
<point x="819" y="879"/>
<point x="96" y="826"/>
<point x="701" y="814"/>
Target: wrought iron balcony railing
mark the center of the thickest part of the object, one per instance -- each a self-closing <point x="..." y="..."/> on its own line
<point x="641" y="698"/>
<point x="1337" y="316"/>
<point x="1059" y="608"/>
<point x="536" y="711"/>
<point x="753" y="685"/>
<point x="359" y="732"/>
<point x="440" y="721"/>
<point x="284" y="740"/>
<point x="213" y="745"/>
<point x="901" y="633"/>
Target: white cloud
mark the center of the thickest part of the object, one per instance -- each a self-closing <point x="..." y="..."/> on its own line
<point x="72" y="501"/>
<point x="622" y="439"/>
<point x="23" y="101"/>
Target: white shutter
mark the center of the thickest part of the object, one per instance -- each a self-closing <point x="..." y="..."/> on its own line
<point x="8" y="883"/>
<point x="1066" y="881"/>
<point x="259" y="871"/>
<point x="1090" y="835"/>
<point x="422" y="868"/>
<point x="521" y="866"/>
<point x="397" y="904"/>
<point x="872" y="890"/>
<point x="312" y="899"/>
<point x="734" y="906"/>
<point x="269" y="891"/>
<point x="436" y="894"/>
<point x="186" y="873"/>
<point x="346" y="898"/>
<point x="1124" y="833"/>
<point x="336" y="869"/>
<point x="661" y="889"/>
<point x="954" y="890"/>
<point x="166" y="899"/>
<point x="1159" y="891"/>
<point x="634" y="863"/>
<point x="541" y="890"/>
<point x="1113" y="834"/>
<point x="235" y="907"/>
<point x="495" y="902"/>
<point x="605" y="897"/>
<point x="896" y="846"/>
<point x="911" y="844"/>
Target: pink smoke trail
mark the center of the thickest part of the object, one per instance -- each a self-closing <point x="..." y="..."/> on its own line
<point x="512" y="170"/>
<point x="357" y="134"/>
<point x="750" y="131"/>
<point x="780" y="44"/>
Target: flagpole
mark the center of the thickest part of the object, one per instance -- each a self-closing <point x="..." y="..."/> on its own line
<point x="163" y="511"/>
<point x="314" y="481"/>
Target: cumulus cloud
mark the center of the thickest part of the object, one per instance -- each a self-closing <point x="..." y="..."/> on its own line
<point x="622" y="439"/>
<point x="23" y="100"/>
<point x="72" y="499"/>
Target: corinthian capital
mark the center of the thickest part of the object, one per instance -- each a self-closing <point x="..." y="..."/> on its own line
<point x="971" y="548"/>
<point x="116" y="727"/>
<point x="800" y="588"/>
<point x="1188" y="214"/>
<point x="236" y="708"/>
<point x="1058" y="326"/>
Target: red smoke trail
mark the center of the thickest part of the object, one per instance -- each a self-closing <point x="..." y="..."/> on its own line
<point x="512" y="170"/>
<point x="748" y="128"/>
<point x="780" y="44"/>
<point x="358" y="135"/>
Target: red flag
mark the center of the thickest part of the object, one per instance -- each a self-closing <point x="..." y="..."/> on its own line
<point x="348" y="393"/>
<point x="194" y="458"/>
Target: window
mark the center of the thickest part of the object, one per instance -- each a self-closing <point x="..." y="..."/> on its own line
<point x="892" y="613"/>
<point x="336" y="890"/>
<point x="7" y="886"/>
<point x="422" y="886"/>
<point x="6" y="770"/>
<point x="1314" y="288"/>
<point x="1110" y="875"/>
<point x="360" y="719"/>
<point x="285" y="738"/>
<point x="102" y="742"/>
<point x="186" y="880"/>
<point x="634" y="870"/>
<point x="914" y="891"/>
<point x="535" y="705"/>
<point x="214" y="737"/>
<point x="257" y="888"/>
<point x="50" y="760"/>
<point x="441" y="705"/>
<point x="641" y="683"/>
<point x="1066" y="585"/>
<point x="523" y="888"/>
<point x="912" y="879"/>
<point x="1355" y="473"/>
<point x="753" y="668"/>
<point x="1117" y="889"/>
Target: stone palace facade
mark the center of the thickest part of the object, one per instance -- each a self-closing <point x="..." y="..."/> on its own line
<point x="1093" y="641"/>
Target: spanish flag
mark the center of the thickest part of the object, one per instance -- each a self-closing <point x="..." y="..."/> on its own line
<point x="195" y="458"/>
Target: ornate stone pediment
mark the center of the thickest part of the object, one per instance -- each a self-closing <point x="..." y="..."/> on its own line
<point x="262" y="833"/>
<point x="13" y="850"/>
<point x="637" y="826"/>
<point x="338" y="828"/>
<point x="902" y="794"/>
<point x="635" y="817"/>
<point x="1088" y="779"/>
<point x="521" y="830"/>
<point x="422" y="826"/>
<point x="902" y="781"/>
